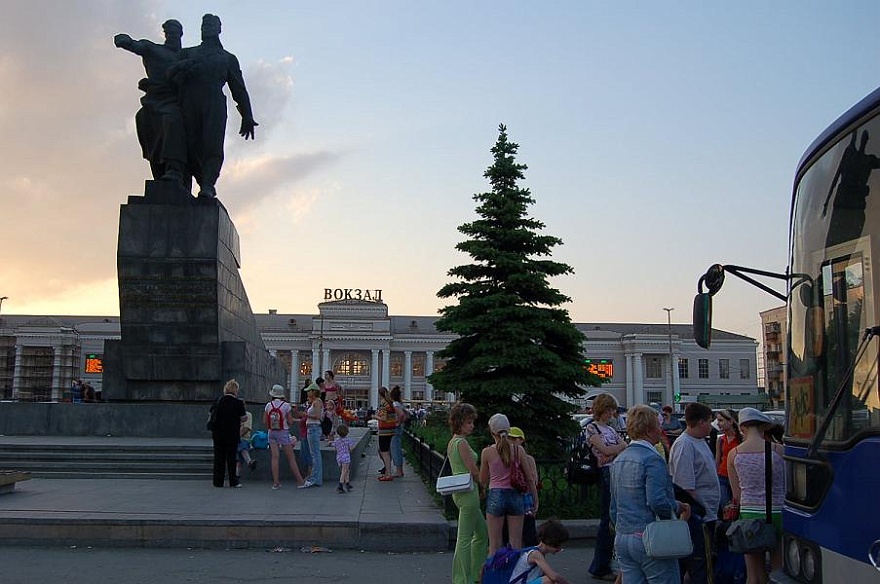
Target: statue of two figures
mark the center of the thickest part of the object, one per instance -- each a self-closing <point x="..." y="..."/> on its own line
<point x="182" y="121"/>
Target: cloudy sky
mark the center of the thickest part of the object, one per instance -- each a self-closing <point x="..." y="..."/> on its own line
<point x="661" y="137"/>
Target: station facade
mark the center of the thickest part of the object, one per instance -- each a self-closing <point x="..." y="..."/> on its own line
<point x="367" y="348"/>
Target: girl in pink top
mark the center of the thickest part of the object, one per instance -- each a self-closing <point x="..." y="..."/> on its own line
<point x="503" y="502"/>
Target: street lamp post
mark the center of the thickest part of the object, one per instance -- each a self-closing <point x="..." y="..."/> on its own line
<point x="2" y="298"/>
<point x="671" y="364"/>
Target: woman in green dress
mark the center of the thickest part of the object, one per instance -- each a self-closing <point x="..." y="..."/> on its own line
<point x="472" y="540"/>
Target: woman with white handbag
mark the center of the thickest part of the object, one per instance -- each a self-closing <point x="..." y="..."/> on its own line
<point x="472" y="539"/>
<point x="641" y="493"/>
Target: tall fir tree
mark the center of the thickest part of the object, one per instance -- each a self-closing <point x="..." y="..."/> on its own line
<point x="517" y="351"/>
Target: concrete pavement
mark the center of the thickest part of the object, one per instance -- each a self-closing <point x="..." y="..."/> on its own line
<point x="396" y="516"/>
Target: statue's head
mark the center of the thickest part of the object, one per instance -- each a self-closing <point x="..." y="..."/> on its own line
<point x="210" y="26"/>
<point x="173" y="29"/>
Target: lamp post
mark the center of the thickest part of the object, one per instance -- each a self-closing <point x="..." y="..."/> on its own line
<point x="671" y="365"/>
<point x="2" y="298"/>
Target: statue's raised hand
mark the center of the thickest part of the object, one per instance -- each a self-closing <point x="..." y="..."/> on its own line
<point x="247" y="128"/>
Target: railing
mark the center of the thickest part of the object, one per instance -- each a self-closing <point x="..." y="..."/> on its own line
<point x="557" y="498"/>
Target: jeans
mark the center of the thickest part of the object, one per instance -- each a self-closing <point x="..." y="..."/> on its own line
<point x="604" y="540"/>
<point x="696" y="564"/>
<point x="397" y="447"/>
<point x="726" y="490"/>
<point x="305" y="453"/>
<point x="472" y="540"/>
<point x="317" y="475"/>
<point x="637" y="568"/>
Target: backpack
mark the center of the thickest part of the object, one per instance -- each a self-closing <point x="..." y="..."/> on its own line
<point x="275" y="417"/>
<point x="260" y="440"/>
<point x="582" y="467"/>
<point x="498" y="569"/>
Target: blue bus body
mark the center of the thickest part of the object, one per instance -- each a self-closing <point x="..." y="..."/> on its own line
<point x="831" y="515"/>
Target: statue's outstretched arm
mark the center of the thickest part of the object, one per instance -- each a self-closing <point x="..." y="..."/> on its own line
<point x="123" y="41"/>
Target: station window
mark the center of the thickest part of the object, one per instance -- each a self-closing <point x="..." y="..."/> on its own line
<point x="724" y="368"/>
<point x="683" y="368"/>
<point x="653" y="368"/>
<point x="745" y="370"/>
<point x="704" y="368"/>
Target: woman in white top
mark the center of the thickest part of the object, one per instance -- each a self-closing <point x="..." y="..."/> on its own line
<point x="314" y="413"/>
<point x="606" y="444"/>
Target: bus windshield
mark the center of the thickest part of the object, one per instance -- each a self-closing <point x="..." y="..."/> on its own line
<point x="835" y="297"/>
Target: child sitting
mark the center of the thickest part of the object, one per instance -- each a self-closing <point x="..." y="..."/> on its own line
<point x="244" y="445"/>
<point x="343" y="445"/>
<point x="552" y="535"/>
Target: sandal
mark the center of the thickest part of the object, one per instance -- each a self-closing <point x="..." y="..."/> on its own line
<point x="386" y="478"/>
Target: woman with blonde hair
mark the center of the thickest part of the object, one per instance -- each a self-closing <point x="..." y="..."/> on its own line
<point x="503" y="501"/>
<point x="606" y="443"/>
<point x="229" y="412"/>
<point x="471" y="539"/>
<point x="641" y="491"/>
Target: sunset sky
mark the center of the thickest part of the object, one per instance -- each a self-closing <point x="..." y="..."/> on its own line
<point x="661" y="137"/>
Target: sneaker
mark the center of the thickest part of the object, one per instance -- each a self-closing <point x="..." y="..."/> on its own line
<point x="349" y="487"/>
<point x="339" y="489"/>
<point x="237" y="486"/>
<point x="306" y="485"/>
<point x="252" y="464"/>
<point x="276" y="487"/>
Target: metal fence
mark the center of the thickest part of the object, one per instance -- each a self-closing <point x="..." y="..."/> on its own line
<point x="557" y="498"/>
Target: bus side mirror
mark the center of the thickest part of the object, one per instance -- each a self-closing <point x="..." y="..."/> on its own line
<point x="703" y="319"/>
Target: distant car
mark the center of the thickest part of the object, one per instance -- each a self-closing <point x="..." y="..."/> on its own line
<point x="777" y="416"/>
<point x="373" y="425"/>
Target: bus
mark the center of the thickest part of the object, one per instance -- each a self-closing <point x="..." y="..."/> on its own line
<point x="831" y="514"/>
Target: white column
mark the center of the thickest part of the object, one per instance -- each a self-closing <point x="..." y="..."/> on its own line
<point x="386" y="367"/>
<point x="407" y="375"/>
<point x="325" y="362"/>
<point x="374" y="380"/>
<point x="316" y="364"/>
<point x="630" y="388"/>
<point x="294" y="376"/>
<point x="639" y="386"/>
<point x="16" y="376"/>
<point x="676" y="380"/>
<point x="429" y="369"/>
<point x="55" y="392"/>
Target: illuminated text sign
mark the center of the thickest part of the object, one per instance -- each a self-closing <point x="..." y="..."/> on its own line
<point x="94" y="364"/>
<point x="602" y="368"/>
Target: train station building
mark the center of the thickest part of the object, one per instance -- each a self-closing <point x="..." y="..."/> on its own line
<point x="367" y="348"/>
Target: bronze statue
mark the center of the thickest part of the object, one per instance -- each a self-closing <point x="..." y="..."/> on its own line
<point x="200" y="74"/>
<point x="159" y="121"/>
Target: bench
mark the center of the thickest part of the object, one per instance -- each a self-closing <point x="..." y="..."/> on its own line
<point x="8" y="478"/>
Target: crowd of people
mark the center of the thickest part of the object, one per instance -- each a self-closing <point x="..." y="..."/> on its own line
<point x="708" y="470"/>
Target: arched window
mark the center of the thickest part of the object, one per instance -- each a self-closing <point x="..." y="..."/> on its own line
<point x="351" y="364"/>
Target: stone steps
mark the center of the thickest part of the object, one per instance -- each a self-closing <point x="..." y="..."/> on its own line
<point x="98" y="461"/>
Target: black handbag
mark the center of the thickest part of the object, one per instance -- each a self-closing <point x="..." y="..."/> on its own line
<point x="754" y="536"/>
